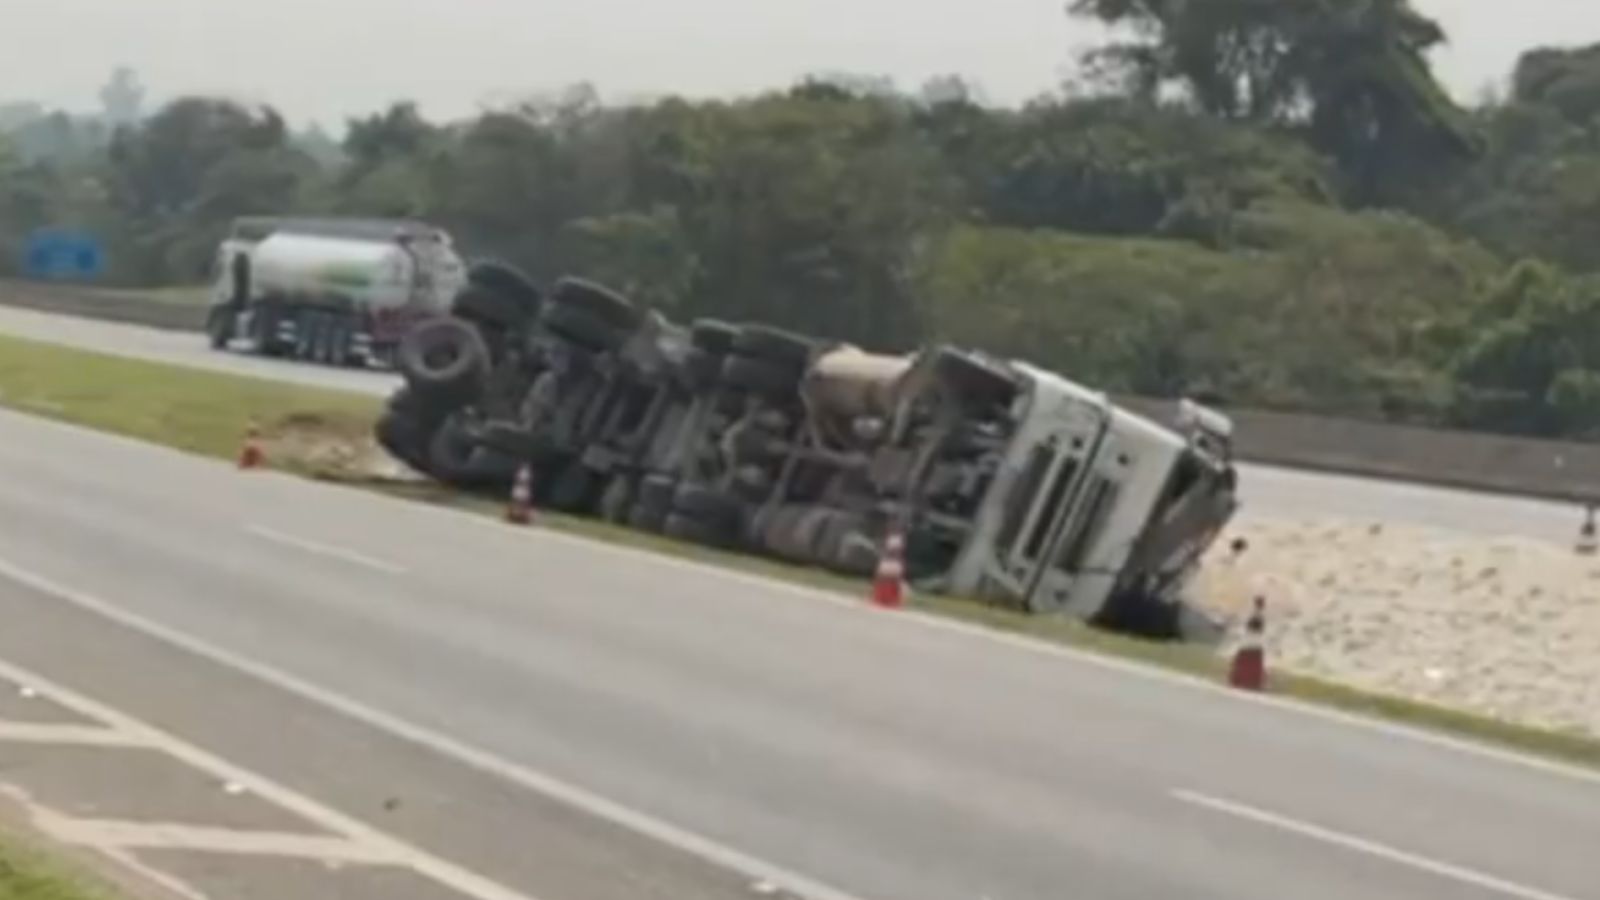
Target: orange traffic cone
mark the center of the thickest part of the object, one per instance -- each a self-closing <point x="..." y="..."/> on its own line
<point x="1249" y="669"/>
<point x="520" y="510"/>
<point x="889" y="581"/>
<point x="251" y="455"/>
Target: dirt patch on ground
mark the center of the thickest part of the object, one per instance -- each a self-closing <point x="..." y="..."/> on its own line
<point x="331" y="448"/>
<point x="1505" y="627"/>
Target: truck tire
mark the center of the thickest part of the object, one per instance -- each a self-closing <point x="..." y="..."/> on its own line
<point x="219" y="326"/>
<point x="657" y="492"/>
<point x="761" y="376"/>
<point x="575" y="490"/>
<point x="339" y="331"/>
<point x="709" y="505"/>
<point x="305" y="330"/>
<point x="702" y="369"/>
<point x="652" y="503"/>
<point x="599" y="301"/>
<point x="774" y="344"/>
<point x="321" y="338"/>
<point x="484" y="307"/>
<point x="402" y="439"/>
<point x="264" y="332"/>
<point x="647" y="519"/>
<point x="696" y="531"/>
<point x="617" y="499"/>
<point x="406" y="402"/>
<point x="830" y="540"/>
<point x="856" y="556"/>
<point x="444" y="359"/>
<point x="588" y="331"/>
<point x="519" y="294"/>
<point x="714" y="336"/>
<point x="451" y="455"/>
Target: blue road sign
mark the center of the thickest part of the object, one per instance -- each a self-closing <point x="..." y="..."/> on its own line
<point x="63" y="255"/>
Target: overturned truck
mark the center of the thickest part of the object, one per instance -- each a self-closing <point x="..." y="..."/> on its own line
<point x="1009" y="483"/>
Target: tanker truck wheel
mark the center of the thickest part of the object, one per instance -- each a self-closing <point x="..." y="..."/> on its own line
<point x="714" y="336"/>
<point x="583" y="328"/>
<point x="702" y="369"/>
<point x="454" y="457"/>
<point x="339" y="341"/>
<point x="518" y="296"/>
<point x="407" y="427"/>
<point x="219" y="326"/>
<point x="718" y="517"/>
<point x="695" y="531"/>
<point x="444" y="360"/>
<point x="761" y="376"/>
<point x="775" y="345"/>
<point x="305" y="330"/>
<point x="600" y="302"/>
<point x="653" y="503"/>
<point x="319" y="338"/>
<point x="405" y="439"/>
<point x="485" y="307"/>
<point x="264" y="332"/>
<point x="617" y="500"/>
<point x="574" y="490"/>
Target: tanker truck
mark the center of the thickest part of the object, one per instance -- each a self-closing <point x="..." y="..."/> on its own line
<point x="1009" y="482"/>
<point x="333" y="291"/>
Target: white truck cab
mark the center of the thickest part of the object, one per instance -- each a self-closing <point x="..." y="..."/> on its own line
<point x="1097" y="512"/>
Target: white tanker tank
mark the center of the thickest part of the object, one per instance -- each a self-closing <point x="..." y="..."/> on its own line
<point x="330" y="290"/>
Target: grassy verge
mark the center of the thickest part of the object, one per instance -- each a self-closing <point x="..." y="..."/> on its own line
<point x="199" y="412"/>
<point x="28" y="873"/>
<point x="206" y="412"/>
<point x="185" y="295"/>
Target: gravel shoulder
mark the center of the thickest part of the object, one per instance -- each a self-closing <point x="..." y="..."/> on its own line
<point x="1503" y="627"/>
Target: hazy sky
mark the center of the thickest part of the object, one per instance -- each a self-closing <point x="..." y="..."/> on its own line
<point x="325" y="59"/>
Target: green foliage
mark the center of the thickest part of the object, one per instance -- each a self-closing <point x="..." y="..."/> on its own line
<point x="1124" y="167"/>
<point x="1531" y="361"/>
<point x="1351" y="75"/>
<point x="1268" y="200"/>
<point x="1330" y="310"/>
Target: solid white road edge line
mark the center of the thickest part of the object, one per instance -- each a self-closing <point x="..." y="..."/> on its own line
<point x="330" y="551"/>
<point x="1368" y="847"/>
<point x="1145" y="671"/>
<point x="538" y="782"/>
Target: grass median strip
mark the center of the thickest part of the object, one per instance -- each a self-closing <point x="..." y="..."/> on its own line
<point x="200" y="412"/>
<point x="207" y="412"/>
<point x="30" y="873"/>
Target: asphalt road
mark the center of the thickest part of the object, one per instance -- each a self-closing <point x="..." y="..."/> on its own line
<point x="581" y="721"/>
<point x="1268" y="490"/>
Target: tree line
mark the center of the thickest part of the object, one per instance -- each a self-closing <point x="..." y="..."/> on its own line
<point x="1266" y="203"/>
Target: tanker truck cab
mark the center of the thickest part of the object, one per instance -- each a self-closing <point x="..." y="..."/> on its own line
<point x="1097" y="513"/>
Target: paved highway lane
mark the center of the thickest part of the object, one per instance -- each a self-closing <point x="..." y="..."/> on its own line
<point x="1267" y="490"/>
<point x="769" y="731"/>
<point x="183" y="349"/>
